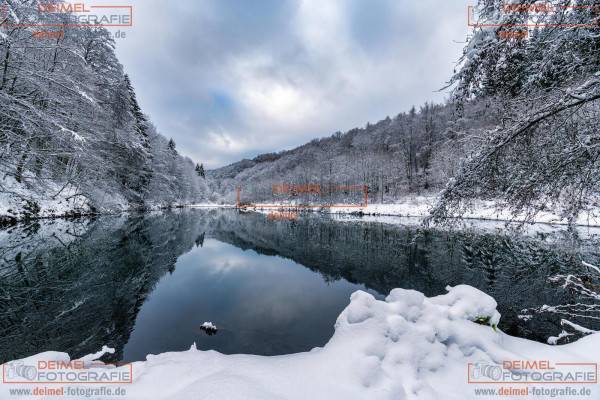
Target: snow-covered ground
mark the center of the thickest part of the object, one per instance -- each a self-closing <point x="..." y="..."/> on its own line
<point x="419" y="206"/>
<point x="405" y="347"/>
<point x="211" y="205"/>
<point x="18" y="202"/>
<point x="14" y="206"/>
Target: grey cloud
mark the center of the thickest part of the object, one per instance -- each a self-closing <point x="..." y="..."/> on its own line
<point x="231" y="79"/>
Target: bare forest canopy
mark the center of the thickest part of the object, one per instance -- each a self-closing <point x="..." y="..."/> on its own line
<point x="414" y="152"/>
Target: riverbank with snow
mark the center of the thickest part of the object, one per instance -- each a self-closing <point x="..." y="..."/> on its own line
<point x="14" y="209"/>
<point x="26" y="205"/>
<point x="420" y="206"/>
<point x="407" y="346"/>
<point x="21" y="203"/>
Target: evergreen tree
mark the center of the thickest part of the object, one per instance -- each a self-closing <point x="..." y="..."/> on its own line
<point x="171" y="145"/>
<point x="144" y="165"/>
<point x="200" y="170"/>
<point x="141" y="123"/>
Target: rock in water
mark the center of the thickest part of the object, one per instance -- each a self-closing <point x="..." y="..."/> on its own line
<point x="209" y="328"/>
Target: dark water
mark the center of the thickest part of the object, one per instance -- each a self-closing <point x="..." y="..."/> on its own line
<point x="145" y="283"/>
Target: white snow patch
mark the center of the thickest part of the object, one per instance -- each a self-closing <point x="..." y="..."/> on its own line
<point x="95" y="356"/>
<point x="86" y="96"/>
<point x="420" y="206"/>
<point x="75" y="306"/>
<point x="577" y="327"/>
<point x="585" y="264"/>
<point x="211" y="205"/>
<point x="554" y="339"/>
<point x="208" y="325"/>
<point x="75" y="135"/>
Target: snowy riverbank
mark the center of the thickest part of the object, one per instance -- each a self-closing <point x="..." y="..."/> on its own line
<point x="13" y="208"/>
<point x="18" y="203"/>
<point x="406" y="347"/>
<point x="419" y="206"/>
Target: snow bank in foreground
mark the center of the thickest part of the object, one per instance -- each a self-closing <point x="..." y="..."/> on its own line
<point x="406" y="347"/>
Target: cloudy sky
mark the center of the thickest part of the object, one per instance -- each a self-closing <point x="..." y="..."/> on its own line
<point x="230" y="79"/>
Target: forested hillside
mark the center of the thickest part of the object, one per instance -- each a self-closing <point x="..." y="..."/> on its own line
<point x="414" y="152"/>
<point x="73" y="138"/>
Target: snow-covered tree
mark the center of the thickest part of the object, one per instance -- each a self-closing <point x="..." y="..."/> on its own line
<point x="545" y="151"/>
<point x="70" y="122"/>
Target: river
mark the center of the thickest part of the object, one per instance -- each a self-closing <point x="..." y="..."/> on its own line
<point x="144" y="283"/>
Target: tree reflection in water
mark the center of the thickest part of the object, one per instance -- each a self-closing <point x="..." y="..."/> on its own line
<point x="75" y="285"/>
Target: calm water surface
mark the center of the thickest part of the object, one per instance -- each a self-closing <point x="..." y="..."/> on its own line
<point x="144" y="284"/>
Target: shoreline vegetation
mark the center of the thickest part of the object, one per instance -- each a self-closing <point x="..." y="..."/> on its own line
<point x="408" y="207"/>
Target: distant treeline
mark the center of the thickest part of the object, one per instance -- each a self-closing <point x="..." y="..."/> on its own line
<point x="414" y="152"/>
